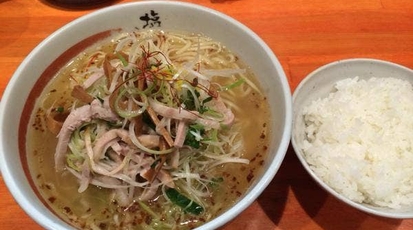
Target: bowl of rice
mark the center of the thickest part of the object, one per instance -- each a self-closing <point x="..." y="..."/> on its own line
<point x="352" y="133"/>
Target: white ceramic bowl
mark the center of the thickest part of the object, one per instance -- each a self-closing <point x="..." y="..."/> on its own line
<point x="319" y="84"/>
<point x="173" y="16"/>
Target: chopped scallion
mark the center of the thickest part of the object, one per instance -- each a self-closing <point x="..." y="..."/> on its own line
<point x="235" y="84"/>
<point x="122" y="59"/>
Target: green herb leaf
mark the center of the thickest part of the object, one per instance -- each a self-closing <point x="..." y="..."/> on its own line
<point x="208" y="99"/>
<point x="146" y="118"/>
<point x="189" y="100"/>
<point x="184" y="202"/>
<point x="60" y="109"/>
<point x="190" y="139"/>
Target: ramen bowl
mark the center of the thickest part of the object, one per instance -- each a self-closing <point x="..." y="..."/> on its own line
<point x="353" y="176"/>
<point x="59" y="48"/>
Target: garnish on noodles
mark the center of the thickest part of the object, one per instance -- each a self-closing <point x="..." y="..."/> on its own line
<point x="152" y="119"/>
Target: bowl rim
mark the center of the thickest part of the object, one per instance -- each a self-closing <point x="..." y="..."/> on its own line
<point x="44" y="220"/>
<point x="298" y="152"/>
<point x="343" y="62"/>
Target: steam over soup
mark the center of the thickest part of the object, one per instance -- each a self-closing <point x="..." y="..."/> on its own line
<point x="148" y="129"/>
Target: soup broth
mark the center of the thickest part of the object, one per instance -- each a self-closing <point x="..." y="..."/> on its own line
<point x="225" y="144"/>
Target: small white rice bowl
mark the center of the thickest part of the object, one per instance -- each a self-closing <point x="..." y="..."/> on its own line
<point x="353" y="133"/>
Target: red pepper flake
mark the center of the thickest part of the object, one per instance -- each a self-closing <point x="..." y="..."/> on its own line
<point x="67" y="210"/>
<point x="133" y="208"/>
<point x="47" y="186"/>
<point x="148" y="219"/>
<point x="253" y="159"/>
<point x="52" y="199"/>
<point x="250" y="176"/>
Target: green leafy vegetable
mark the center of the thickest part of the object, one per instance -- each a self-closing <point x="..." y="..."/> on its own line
<point x="192" y="140"/>
<point x="202" y="109"/>
<point x="60" y="109"/>
<point x="184" y="202"/>
<point x="146" y="118"/>
<point x="189" y="100"/>
<point x="208" y="99"/>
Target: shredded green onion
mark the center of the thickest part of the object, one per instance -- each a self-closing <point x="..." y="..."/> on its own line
<point x="233" y="85"/>
<point x="122" y="59"/>
<point x="131" y="113"/>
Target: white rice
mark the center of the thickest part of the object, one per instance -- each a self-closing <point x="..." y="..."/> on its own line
<point x="360" y="140"/>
